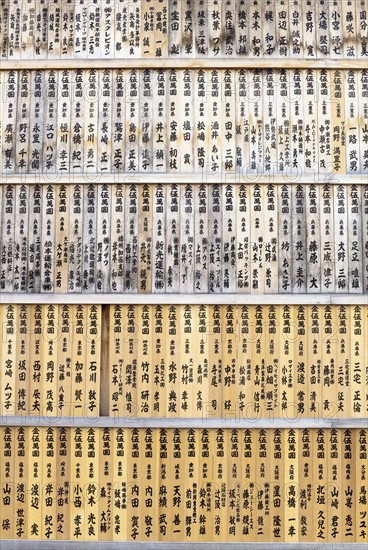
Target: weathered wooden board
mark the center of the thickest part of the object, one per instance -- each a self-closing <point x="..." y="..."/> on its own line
<point x="245" y="94"/>
<point x="164" y="29"/>
<point x="221" y="122"/>
<point x="185" y="361"/>
<point x="128" y="467"/>
<point x="183" y="238"/>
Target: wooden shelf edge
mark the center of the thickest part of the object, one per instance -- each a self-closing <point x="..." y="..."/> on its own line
<point x="183" y="178"/>
<point x="184" y="423"/>
<point x="183" y="63"/>
<point x="185" y="299"/>
<point x="98" y="545"/>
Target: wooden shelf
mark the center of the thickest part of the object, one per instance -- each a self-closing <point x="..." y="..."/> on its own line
<point x="107" y="545"/>
<point x="184" y="63"/>
<point x="184" y="423"/>
<point x="186" y="299"/>
<point x="192" y="178"/>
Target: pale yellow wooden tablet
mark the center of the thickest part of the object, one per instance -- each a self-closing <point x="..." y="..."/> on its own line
<point x="234" y="472"/>
<point x="214" y="115"/>
<point x="145" y="244"/>
<point x="119" y="481"/>
<point x="147" y="368"/>
<point x="335" y="489"/>
<point x="172" y="241"/>
<point x="218" y="494"/>
<point x="215" y="238"/>
<point x="78" y="359"/>
<point x="271" y="247"/>
<point x="328" y="246"/>
<point x="285" y="239"/>
<point x="130" y="402"/>
<point x="329" y="408"/>
<point x="93" y="360"/>
<point x="172" y="358"/>
<point x="36" y="370"/>
<point x="34" y="240"/>
<point x="115" y="360"/>
<point x="17" y="222"/>
<point x="76" y="483"/>
<point x="354" y="238"/>
<point x="349" y="475"/>
<point x="204" y="475"/>
<point x="364" y="226"/>
<point x="287" y="362"/>
<point x="323" y="15"/>
<point x="9" y="117"/>
<point x="22" y="221"/>
<point x="291" y="485"/>
<point x="67" y="30"/>
<point x="49" y="360"/>
<point x="306" y="503"/>
<point x="22" y="366"/>
<point x="21" y="161"/>
<point x="350" y="23"/>
<point x="243" y="240"/>
<point x="163" y="490"/>
<point x="360" y="447"/>
<point x="358" y="345"/>
<point x="105" y="102"/>
<point x="5" y="48"/>
<point x="77" y="115"/>
<point x="20" y="482"/>
<point x="35" y="473"/>
<point x="101" y="244"/>
<point x="228" y="130"/>
<point x="248" y="485"/>
<point x="131" y="242"/>
<point x="90" y="238"/>
<point x="63" y="481"/>
<point x="8" y="352"/>
<point x="229" y="362"/>
<point x="91" y="487"/>
<point x="313" y="240"/>
<point x="352" y="121"/>
<point x="48" y="484"/>
<point x="106" y="480"/>
<point x="187" y="252"/>
<point x="273" y="403"/>
<point x="117" y="239"/>
<point x="8" y="237"/>
<point x="62" y="212"/>
<point x="76" y="239"/>
<point x="215" y="361"/>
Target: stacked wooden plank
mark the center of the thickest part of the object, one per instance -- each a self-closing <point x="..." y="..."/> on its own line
<point x="250" y="361"/>
<point x="241" y="122"/>
<point x="185" y="29"/>
<point x="186" y="238"/>
<point x="136" y="484"/>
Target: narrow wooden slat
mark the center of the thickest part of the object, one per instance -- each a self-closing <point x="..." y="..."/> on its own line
<point x="210" y="423"/>
<point x="169" y="178"/>
<point x="175" y="298"/>
<point x="209" y="63"/>
<point x="99" y="545"/>
<point x="48" y="216"/>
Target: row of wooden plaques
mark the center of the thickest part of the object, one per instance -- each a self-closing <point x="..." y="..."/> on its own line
<point x="251" y="239"/>
<point x="123" y="29"/>
<point x="199" y="361"/>
<point x="248" y="123"/>
<point x="183" y="485"/>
